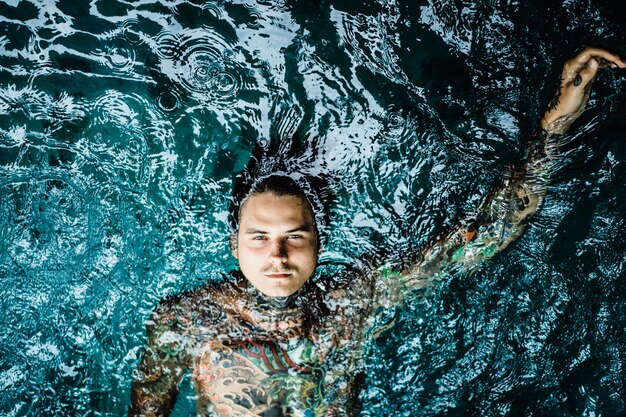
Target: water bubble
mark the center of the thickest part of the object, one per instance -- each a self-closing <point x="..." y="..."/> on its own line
<point x="395" y="119"/>
<point x="255" y="21"/>
<point x="225" y="83"/>
<point x="263" y="142"/>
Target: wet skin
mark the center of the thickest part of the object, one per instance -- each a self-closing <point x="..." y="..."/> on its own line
<point x="246" y="357"/>
<point x="250" y="355"/>
<point x="276" y="244"/>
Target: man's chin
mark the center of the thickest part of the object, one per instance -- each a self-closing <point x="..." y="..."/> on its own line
<point x="278" y="287"/>
<point x="278" y="291"/>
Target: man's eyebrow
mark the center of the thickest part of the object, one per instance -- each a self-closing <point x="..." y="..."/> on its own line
<point x="301" y="228"/>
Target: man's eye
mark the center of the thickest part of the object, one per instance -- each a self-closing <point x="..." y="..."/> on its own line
<point x="259" y="237"/>
<point x="295" y="236"/>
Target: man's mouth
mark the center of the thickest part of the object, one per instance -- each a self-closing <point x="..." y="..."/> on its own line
<point x="278" y="275"/>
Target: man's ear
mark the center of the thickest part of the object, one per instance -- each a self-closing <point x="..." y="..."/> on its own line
<point x="233" y="245"/>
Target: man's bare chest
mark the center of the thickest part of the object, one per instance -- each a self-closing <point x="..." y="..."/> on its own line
<point x="258" y="377"/>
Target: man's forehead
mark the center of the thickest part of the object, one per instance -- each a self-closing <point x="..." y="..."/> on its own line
<point x="271" y="208"/>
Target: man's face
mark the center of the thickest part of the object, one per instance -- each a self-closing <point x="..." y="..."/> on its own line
<point x="276" y="243"/>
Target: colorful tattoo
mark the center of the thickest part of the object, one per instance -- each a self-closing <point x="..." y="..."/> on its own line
<point x="247" y="356"/>
<point x="498" y="222"/>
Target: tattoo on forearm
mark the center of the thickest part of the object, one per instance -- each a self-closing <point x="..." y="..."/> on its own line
<point x="556" y="99"/>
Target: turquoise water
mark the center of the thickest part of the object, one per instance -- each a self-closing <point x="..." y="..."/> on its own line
<point x="123" y="124"/>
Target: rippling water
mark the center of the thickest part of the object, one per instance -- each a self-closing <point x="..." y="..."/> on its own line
<point x="122" y="125"/>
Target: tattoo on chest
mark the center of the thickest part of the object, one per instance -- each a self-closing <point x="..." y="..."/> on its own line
<point x="252" y="377"/>
<point x="275" y="358"/>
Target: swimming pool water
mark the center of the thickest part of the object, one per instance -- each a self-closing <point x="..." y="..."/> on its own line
<point x="123" y="124"/>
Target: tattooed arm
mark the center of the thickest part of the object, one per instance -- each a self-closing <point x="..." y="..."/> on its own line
<point x="155" y="386"/>
<point x="571" y="97"/>
<point x="503" y="216"/>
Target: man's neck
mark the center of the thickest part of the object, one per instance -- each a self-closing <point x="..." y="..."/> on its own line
<point x="272" y="314"/>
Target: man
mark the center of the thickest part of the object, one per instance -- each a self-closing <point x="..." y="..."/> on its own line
<point x="274" y="342"/>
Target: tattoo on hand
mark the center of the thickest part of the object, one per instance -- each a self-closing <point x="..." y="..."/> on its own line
<point x="556" y="99"/>
<point x="578" y="80"/>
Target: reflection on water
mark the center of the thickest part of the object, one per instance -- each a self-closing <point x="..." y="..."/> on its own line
<point x="122" y="126"/>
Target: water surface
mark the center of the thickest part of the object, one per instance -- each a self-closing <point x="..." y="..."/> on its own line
<point x="123" y="124"/>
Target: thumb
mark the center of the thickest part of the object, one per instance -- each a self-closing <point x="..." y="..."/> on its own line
<point x="587" y="74"/>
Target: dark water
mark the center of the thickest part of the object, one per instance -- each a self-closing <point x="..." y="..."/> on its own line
<point x="122" y="125"/>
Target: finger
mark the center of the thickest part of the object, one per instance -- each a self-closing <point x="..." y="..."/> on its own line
<point x="589" y="53"/>
<point x="574" y="66"/>
<point x="613" y="64"/>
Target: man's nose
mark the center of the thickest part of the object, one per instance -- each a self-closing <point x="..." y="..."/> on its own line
<point x="279" y="251"/>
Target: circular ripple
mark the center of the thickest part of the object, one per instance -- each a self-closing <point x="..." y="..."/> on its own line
<point x="118" y="108"/>
<point x="213" y="8"/>
<point x="201" y="63"/>
<point x="130" y="30"/>
<point x="254" y="17"/>
<point x="115" y="143"/>
<point x="169" y="101"/>
<point x="167" y="45"/>
<point x="120" y="58"/>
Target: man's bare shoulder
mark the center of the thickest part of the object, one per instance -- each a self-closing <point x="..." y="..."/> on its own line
<point x="201" y="308"/>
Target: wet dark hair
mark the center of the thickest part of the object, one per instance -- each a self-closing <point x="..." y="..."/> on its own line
<point x="280" y="185"/>
<point x="285" y="165"/>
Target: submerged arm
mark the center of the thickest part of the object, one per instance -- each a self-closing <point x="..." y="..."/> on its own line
<point x="155" y="386"/>
<point x="500" y="220"/>
<point x="503" y="216"/>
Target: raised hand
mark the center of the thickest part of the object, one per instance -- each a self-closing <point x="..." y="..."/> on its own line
<point x="576" y="79"/>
